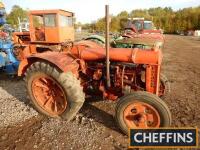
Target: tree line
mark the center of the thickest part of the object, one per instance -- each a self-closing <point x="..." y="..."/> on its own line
<point x="16" y="14"/>
<point x="163" y="18"/>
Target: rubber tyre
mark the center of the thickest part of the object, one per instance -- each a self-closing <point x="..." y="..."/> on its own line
<point x="141" y="96"/>
<point x="165" y="82"/>
<point x="68" y="82"/>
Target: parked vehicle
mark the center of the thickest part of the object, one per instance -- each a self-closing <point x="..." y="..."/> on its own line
<point x="59" y="73"/>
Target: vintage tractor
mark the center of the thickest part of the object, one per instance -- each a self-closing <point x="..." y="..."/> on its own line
<point x="58" y="73"/>
<point x="139" y="33"/>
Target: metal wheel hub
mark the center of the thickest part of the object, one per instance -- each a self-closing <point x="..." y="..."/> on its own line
<point x="141" y="115"/>
<point x="49" y="95"/>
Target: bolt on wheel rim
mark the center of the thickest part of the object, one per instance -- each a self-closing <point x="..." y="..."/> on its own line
<point x="141" y="115"/>
<point x="49" y="95"/>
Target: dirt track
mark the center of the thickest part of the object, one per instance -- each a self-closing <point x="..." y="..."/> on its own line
<point x="94" y="126"/>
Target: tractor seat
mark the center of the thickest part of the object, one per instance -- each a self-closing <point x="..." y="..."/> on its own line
<point x="39" y="34"/>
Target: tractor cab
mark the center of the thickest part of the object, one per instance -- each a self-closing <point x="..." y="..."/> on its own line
<point x="140" y="24"/>
<point x="51" y="26"/>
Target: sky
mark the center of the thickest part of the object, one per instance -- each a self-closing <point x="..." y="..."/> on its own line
<point x="87" y="11"/>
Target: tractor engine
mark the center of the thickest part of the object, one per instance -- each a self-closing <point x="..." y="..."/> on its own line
<point x="125" y="77"/>
<point x="128" y="76"/>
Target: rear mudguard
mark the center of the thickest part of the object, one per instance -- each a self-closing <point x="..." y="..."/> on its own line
<point x="64" y="61"/>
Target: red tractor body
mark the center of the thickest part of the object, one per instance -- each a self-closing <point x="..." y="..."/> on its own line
<point x="57" y="74"/>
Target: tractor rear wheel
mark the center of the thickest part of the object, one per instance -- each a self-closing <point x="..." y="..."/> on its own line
<point x="142" y="110"/>
<point x="52" y="92"/>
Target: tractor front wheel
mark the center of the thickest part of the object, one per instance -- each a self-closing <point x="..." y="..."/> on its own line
<point x="52" y="92"/>
<point x="142" y="110"/>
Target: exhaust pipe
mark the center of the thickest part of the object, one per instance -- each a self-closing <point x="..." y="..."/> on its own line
<point x="107" y="45"/>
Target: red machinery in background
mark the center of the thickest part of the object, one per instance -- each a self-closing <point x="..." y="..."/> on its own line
<point x="139" y="33"/>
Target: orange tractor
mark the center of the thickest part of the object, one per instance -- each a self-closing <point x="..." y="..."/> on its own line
<point x="59" y="73"/>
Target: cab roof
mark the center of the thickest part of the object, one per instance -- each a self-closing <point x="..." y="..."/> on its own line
<point x="51" y="11"/>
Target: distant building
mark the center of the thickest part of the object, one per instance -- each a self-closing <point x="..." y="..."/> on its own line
<point x="197" y="33"/>
<point x="23" y="26"/>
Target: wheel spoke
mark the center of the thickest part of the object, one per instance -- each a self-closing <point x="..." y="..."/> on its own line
<point x="55" y="106"/>
<point x="39" y="84"/>
<point x="50" y="96"/>
<point x="48" y="105"/>
<point x="59" y="93"/>
<point x="48" y="99"/>
<point x="45" y="81"/>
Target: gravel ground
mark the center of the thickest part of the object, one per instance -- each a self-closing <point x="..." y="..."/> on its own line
<point x="94" y="127"/>
<point x="13" y="109"/>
